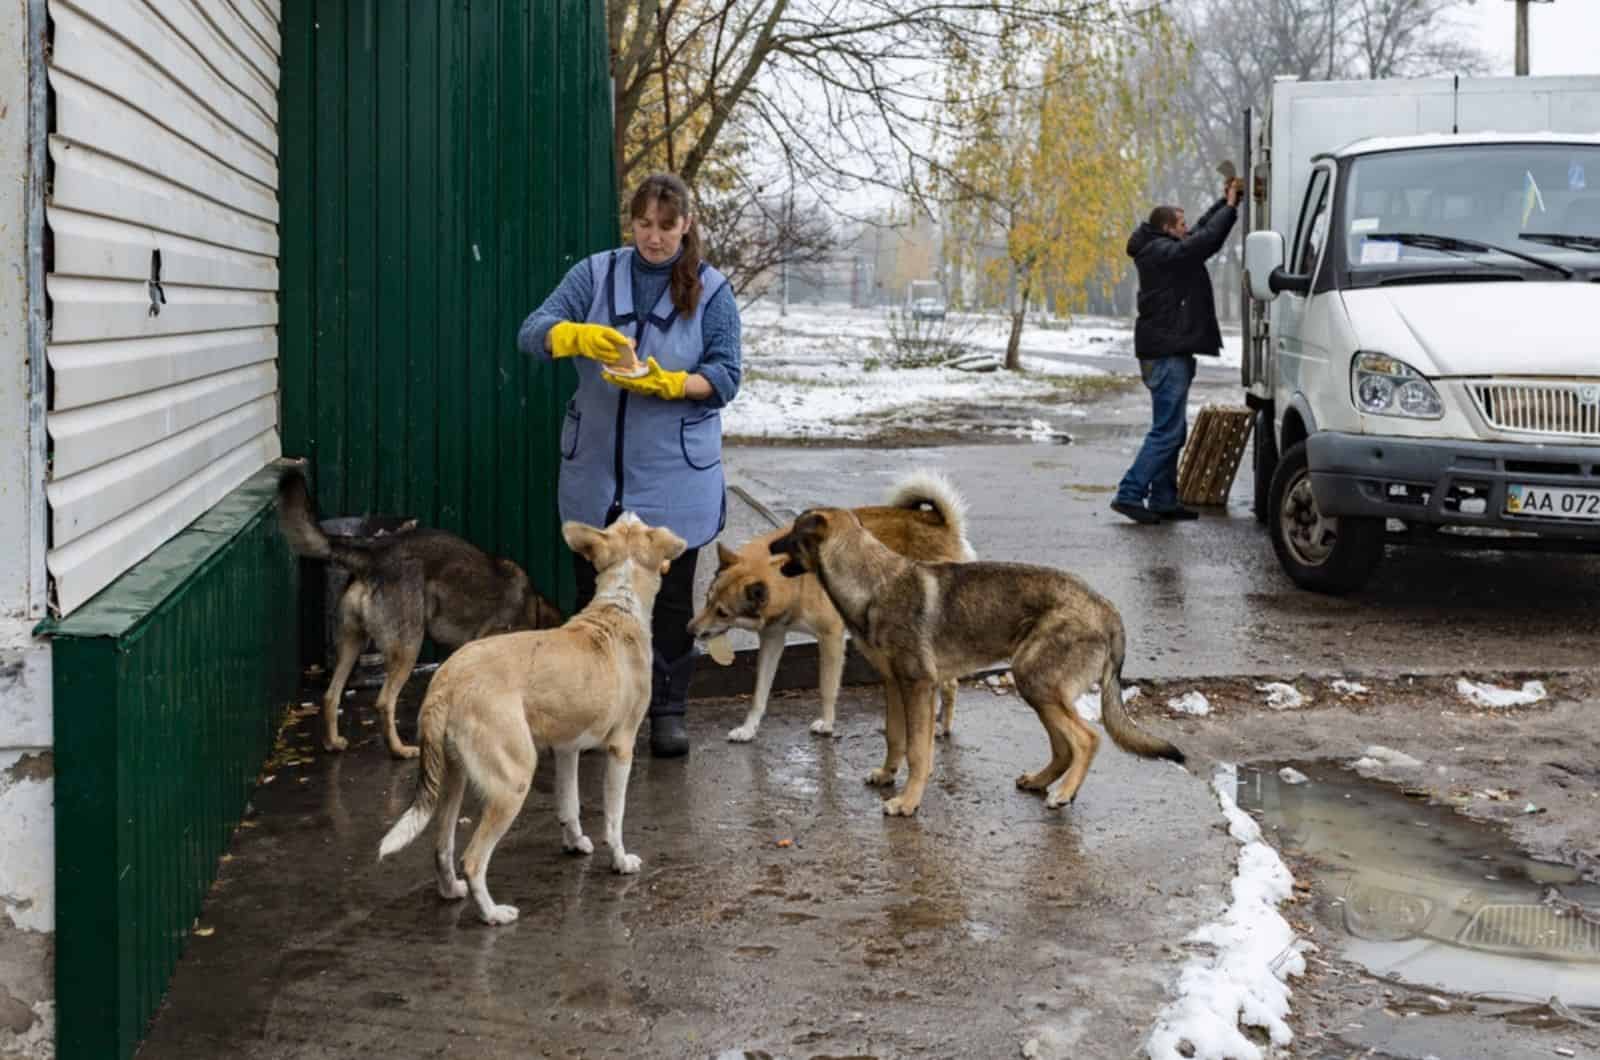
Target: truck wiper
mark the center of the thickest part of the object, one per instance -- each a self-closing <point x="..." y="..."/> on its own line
<point x="1451" y="244"/>
<point x="1566" y="240"/>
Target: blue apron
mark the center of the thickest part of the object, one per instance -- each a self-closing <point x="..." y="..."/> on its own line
<point x="621" y="451"/>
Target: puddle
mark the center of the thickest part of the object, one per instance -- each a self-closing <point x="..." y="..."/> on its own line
<point x="1420" y="893"/>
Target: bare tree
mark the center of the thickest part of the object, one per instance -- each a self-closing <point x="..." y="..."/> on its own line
<point x="847" y="91"/>
<point x="751" y="235"/>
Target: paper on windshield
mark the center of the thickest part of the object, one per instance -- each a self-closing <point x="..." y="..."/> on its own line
<point x="1379" y="252"/>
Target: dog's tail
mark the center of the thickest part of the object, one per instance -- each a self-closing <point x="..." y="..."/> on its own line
<point x="936" y="491"/>
<point x="430" y="779"/>
<point x="1124" y="732"/>
<point x="297" y="518"/>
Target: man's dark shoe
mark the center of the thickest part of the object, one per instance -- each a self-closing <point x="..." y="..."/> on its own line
<point x="1137" y="512"/>
<point x="669" y="738"/>
<point x="1179" y="514"/>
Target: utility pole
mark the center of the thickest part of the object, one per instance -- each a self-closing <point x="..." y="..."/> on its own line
<point x="1522" y="34"/>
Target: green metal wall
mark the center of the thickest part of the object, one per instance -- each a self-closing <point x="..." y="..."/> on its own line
<point x="443" y="165"/>
<point x="168" y="689"/>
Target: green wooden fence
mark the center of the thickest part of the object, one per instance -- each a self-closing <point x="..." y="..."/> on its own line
<point x="443" y="164"/>
<point x="168" y="687"/>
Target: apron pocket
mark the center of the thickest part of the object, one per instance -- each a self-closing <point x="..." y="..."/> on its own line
<point x="702" y="441"/>
<point x="569" y="433"/>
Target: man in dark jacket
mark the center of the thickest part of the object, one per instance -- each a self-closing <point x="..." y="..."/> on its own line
<point x="1177" y="320"/>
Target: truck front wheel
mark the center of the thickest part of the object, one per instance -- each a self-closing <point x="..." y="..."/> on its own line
<point x="1319" y="552"/>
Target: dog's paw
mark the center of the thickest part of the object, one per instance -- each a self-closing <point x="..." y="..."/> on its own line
<point x="456" y="889"/>
<point x="822" y="727"/>
<point x="1032" y="782"/>
<point x="881" y="778"/>
<point x="582" y="845"/>
<point x="939" y="731"/>
<point x="743" y="734"/>
<point x="404" y="751"/>
<point x="335" y="744"/>
<point x="899" y="807"/>
<point x="1057" y="800"/>
<point x="627" y="864"/>
<point x="499" y="914"/>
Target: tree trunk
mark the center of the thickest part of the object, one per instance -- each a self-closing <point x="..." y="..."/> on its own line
<point x="1019" y="309"/>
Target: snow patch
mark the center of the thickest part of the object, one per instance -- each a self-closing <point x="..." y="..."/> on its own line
<point x="1190" y="703"/>
<point x="1350" y="688"/>
<point x="1088" y="704"/>
<point x="1281" y="696"/>
<point x="1290" y="775"/>
<point x="1253" y="952"/>
<point x="1480" y="694"/>
<point x="1377" y="756"/>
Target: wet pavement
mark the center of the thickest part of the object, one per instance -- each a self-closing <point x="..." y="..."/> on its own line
<point x="1208" y="598"/>
<point x="983" y="923"/>
<point x="1415" y="892"/>
<point x="779" y="914"/>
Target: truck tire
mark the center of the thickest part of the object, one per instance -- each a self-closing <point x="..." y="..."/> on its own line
<point x="1264" y="461"/>
<point x="1320" y="553"/>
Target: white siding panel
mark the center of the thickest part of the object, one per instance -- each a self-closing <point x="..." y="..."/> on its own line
<point x="83" y="567"/>
<point x="138" y="25"/>
<point x="93" y="434"/>
<point x="245" y="43"/>
<point x="165" y="147"/>
<point x="82" y="502"/>
<point x="91" y="372"/>
<point x="185" y="16"/>
<point x="87" y="115"/>
<point x="119" y="309"/>
<point x="262" y="24"/>
<point x="91" y="53"/>
<point x="90" y="182"/>
<point x="97" y="247"/>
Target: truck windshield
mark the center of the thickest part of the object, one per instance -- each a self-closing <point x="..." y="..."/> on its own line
<point x="1521" y="211"/>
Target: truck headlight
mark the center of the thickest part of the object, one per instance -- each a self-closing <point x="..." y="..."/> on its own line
<point x="1383" y="386"/>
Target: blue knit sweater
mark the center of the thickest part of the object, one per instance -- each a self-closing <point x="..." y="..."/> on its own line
<point x="719" y="327"/>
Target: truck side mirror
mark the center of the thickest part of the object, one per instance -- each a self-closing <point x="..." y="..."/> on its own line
<point x="1263" y="256"/>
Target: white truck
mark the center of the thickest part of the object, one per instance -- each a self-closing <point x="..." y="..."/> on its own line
<point x="1422" y="265"/>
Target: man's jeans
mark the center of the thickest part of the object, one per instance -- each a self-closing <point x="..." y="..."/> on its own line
<point x="1154" y="474"/>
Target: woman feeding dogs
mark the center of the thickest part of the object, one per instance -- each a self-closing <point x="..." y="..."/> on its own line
<point x="654" y="333"/>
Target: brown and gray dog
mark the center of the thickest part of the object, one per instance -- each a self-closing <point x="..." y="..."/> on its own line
<point x="404" y="586"/>
<point x="924" y="518"/>
<point x="497" y="701"/>
<point x="930" y="622"/>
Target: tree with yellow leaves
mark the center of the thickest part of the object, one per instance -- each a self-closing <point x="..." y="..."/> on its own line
<point x="1053" y="136"/>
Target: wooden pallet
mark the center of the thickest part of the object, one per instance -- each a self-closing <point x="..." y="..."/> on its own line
<point x="1211" y="457"/>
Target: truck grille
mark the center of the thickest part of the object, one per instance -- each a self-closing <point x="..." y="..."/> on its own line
<point x="1566" y="409"/>
<point x="1533" y="927"/>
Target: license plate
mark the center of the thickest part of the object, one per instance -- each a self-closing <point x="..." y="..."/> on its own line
<point x="1548" y="502"/>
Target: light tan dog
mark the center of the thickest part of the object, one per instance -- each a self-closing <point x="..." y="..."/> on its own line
<point x="496" y="701"/>
<point x="929" y="622"/>
<point x="925" y="519"/>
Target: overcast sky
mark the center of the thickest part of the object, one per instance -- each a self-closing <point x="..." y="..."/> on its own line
<point x="1563" y="36"/>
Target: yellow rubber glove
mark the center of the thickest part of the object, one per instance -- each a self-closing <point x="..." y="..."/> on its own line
<point x="657" y="382"/>
<point x="595" y="341"/>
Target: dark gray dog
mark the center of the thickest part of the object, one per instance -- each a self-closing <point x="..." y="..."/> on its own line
<point x="403" y="586"/>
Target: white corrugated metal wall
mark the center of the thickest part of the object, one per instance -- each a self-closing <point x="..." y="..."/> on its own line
<point x="165" y="167"/>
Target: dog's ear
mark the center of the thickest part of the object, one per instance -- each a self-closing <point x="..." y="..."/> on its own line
<point x="726" y="557"/>
<point x="755" y="594"/>
<point x="587" y="542"/>
<point x="668" y="545"/>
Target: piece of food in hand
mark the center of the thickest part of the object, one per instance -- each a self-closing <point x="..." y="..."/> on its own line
<point x="628" y="365"/>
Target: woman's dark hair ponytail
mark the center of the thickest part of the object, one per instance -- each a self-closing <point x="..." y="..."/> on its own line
<point x="671" y="197"/>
